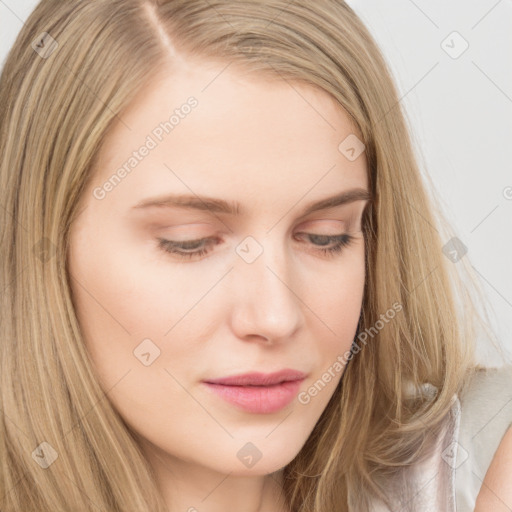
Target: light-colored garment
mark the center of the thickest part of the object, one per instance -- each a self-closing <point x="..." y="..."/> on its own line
<point x="450" y="480"/>
<point x="486" y="414"/>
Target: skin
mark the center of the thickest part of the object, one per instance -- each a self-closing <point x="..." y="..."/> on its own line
<point x="496" y="491"/>
<point x="274" y="149"/>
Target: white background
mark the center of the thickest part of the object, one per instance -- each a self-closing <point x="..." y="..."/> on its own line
<point x="460" y="111"/>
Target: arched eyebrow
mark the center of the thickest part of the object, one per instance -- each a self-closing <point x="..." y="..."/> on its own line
<point x="216" y="205"/>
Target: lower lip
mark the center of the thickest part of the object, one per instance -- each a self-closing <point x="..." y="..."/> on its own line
<point x="258" y="399"/>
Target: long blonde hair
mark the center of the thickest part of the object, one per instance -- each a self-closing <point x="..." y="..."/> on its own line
<point x="72" y="70"/>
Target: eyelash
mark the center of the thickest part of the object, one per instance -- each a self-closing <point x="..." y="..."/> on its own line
<point x="173" y="247"/>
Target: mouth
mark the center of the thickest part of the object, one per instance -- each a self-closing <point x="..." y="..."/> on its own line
<point x="257" y="399"/>
<point x="260" y="379"/>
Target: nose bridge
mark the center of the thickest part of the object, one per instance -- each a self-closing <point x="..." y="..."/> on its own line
<point x="266" y="303"/>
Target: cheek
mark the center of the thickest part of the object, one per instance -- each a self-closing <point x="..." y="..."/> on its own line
<point x="339" y="306"/>
<point x="338" y="292"/>
<point x="124" y="285"/>
<point x="125" y="303"/>
<point x="126" y="293"/>
<point x="113" y="296"/>
<point x="336" y="301"/>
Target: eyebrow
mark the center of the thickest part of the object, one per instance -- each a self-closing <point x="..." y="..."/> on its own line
<point x="215" y="205"/>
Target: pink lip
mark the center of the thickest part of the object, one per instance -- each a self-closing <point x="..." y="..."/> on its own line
<point x="258" y="399"/>
<point x="258" y="392"/>
<point x="259" y="379"/>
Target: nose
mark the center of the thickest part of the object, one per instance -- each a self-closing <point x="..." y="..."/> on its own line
<point x="266" y="301"/>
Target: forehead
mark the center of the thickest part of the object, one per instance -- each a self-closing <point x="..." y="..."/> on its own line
<point x="245" y="132"/>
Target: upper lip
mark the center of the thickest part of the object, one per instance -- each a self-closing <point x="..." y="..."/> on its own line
<point x="259" y="379"/>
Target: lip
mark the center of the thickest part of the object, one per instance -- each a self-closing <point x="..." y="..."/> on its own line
<point x="259" y="379"/>
<point x="258" y="393"/>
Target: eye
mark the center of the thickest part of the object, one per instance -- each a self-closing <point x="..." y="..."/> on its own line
<point x="187" y="248"/>
<point x="338" y="242"/>
<point x="196" y="248"/>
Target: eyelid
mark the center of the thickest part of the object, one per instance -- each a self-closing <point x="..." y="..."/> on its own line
<point x="334" y="247"/>
<point x="342" y="228"/>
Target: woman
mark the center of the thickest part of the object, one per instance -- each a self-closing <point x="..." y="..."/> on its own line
<point x="225" y="287"/>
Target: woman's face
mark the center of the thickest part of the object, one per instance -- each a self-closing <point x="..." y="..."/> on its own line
<point x="260" y="294"/>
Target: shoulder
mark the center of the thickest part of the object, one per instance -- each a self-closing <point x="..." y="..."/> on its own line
<point x="496" y="490"/>
<point x="486" y="402"/>
<point x="475" y="433"/>
<point x="484" y="458"/>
